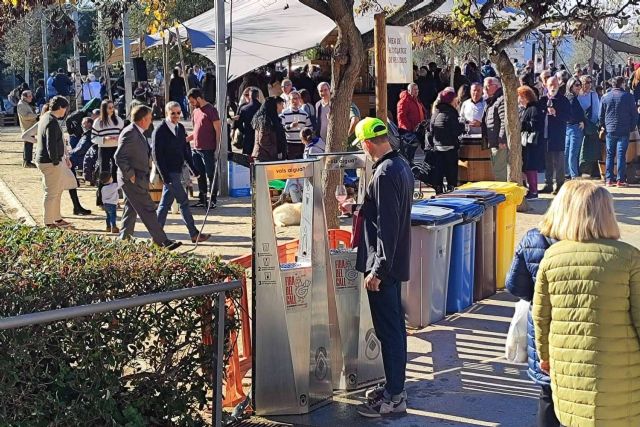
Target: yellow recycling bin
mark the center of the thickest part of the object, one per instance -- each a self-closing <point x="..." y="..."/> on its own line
<point x="505" y="223"/>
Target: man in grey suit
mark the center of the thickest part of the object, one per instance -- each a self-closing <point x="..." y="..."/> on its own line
<point x="132" y="158"/>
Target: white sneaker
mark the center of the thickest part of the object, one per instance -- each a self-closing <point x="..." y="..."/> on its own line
<point x="377" y="391"/>
<point x="383" y="407"/>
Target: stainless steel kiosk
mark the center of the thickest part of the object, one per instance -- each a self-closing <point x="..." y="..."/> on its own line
<point x="292" y="355"/>
<point x="355" y="349"/>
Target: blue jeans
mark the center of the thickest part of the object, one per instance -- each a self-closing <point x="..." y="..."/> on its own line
<point x="388" y="321"/>
<point x="171" y="191"/>
<point x="110" y="210"/>
<point x="617" y="145"/>
<point x="205" y="163"/>
<point x="572" y="147"/>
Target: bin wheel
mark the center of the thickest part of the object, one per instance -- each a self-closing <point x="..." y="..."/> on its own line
<point x="417" y="195"/>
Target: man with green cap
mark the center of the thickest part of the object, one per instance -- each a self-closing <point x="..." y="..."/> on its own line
<point x="384" y="226"/>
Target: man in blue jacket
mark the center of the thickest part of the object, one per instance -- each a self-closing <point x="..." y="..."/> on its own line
<point x="384" y="252"/>
<point x="618" y="117"/>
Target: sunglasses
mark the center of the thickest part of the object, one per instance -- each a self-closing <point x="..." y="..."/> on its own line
<point x="175" y="113"/>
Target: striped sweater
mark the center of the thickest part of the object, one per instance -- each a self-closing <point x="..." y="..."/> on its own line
<point x="100" y="131"/>
<point x="289" y="117"/>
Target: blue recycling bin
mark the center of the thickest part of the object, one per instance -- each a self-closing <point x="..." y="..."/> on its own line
<point x="424" y="296"/>
<point x="485" y="253"/>
<point x="463" y="246"/>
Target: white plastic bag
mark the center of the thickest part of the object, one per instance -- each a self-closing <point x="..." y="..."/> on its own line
<point x="516" y="347"/>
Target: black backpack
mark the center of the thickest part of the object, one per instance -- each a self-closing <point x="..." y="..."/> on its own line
<point x="74" y="123"/>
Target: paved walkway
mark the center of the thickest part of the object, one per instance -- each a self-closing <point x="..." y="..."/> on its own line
<point x="456" y="373"/>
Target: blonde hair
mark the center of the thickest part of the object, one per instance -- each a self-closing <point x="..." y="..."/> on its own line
<point x="581" y="212"/>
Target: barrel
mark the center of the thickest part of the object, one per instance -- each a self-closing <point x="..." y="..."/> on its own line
<point x="632" y="154"/>
<point x="155" y="191"/>
<point x="474" y="162"/>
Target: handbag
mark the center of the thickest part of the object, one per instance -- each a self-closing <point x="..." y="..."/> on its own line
<point x="69" y="181"/>
<point x="236" y="139"/>
<point x="528" y="138"/>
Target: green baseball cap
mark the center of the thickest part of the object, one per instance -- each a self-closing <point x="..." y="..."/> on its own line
<point x="368" y="128"/>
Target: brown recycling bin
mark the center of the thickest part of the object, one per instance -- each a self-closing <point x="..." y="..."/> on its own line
<point x="485" y="255"/>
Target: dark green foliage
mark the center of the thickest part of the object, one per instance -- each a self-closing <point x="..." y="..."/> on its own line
<point x="137" y="367"/>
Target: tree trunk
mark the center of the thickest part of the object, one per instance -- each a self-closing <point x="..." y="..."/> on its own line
<point x="345" y="67"/>
<point x="510" y="86"/>
<point x="512" y="120"/>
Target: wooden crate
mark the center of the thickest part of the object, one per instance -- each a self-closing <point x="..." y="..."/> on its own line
<point x="8" y="120"/>
<point x="474" y="162"/>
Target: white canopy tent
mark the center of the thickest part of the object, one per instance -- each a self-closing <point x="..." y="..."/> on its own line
<point x="264" y="31"/>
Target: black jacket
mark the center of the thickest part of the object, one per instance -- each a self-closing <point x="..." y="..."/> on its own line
<point x="531" y="119"/>
<point x="62" y="84"/>
<point x="171" y="151"/>
<point x="244" y="126"/>
<point x="577" y="112"/>
<point x="557" y="125"/>
<point x="50" y="148"/>
<point x="445" y="126"/>
<point x="384" y="248"/>
<point x="194" y="82"/>
<point x="209" y="88"/>
<point x="177" y="91"/>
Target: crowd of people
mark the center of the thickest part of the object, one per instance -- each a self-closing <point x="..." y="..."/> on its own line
<point x="565" y="120"/>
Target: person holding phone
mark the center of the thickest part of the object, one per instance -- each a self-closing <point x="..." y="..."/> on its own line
<point x="106" y="130"/>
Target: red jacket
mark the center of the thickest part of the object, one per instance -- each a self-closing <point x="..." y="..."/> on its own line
<point x="411" y="112"/>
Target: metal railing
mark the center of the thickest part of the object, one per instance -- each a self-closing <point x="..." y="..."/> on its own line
<point x="138" y="301"/>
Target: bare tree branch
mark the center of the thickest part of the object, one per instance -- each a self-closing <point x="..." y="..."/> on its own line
<point x="484" y="10"/>
<point x="410" y="16"/>
<point x="319" y="6"/>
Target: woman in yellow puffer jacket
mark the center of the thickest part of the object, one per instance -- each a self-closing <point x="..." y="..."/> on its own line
<point x="586" y="313"/>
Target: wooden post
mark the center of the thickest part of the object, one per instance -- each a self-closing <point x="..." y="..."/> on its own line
<point x="165" y="68"/>
<point x="289" y="67"/>
<point x="544" y="51"/>
<point x="184" y="70"/>
<point x="380" y="49"/>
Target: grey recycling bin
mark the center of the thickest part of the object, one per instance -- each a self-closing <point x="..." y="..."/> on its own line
<point x="425" y="294"/>
<point x="356" y="351"/>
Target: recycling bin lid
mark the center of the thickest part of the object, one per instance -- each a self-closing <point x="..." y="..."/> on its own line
<point x="484" y="197"/>
<point x="512" y="191"/>
<point x="468" y="208"/>
<point x="422" y="213"/>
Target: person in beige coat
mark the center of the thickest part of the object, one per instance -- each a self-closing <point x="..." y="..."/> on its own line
<point x="28" y="119"/>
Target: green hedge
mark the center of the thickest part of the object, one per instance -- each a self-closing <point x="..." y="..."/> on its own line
<point x="136" y="367"/>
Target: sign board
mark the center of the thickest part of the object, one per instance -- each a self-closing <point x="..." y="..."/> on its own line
<point x="399" y="55"/>
<point x="289" y="171"/>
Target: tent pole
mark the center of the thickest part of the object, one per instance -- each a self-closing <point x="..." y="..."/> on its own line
<point x="221" y="104"/>
<point x="126" y="56"/>
<point x="165" y="68"/>
<point x="184" y="70"/>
